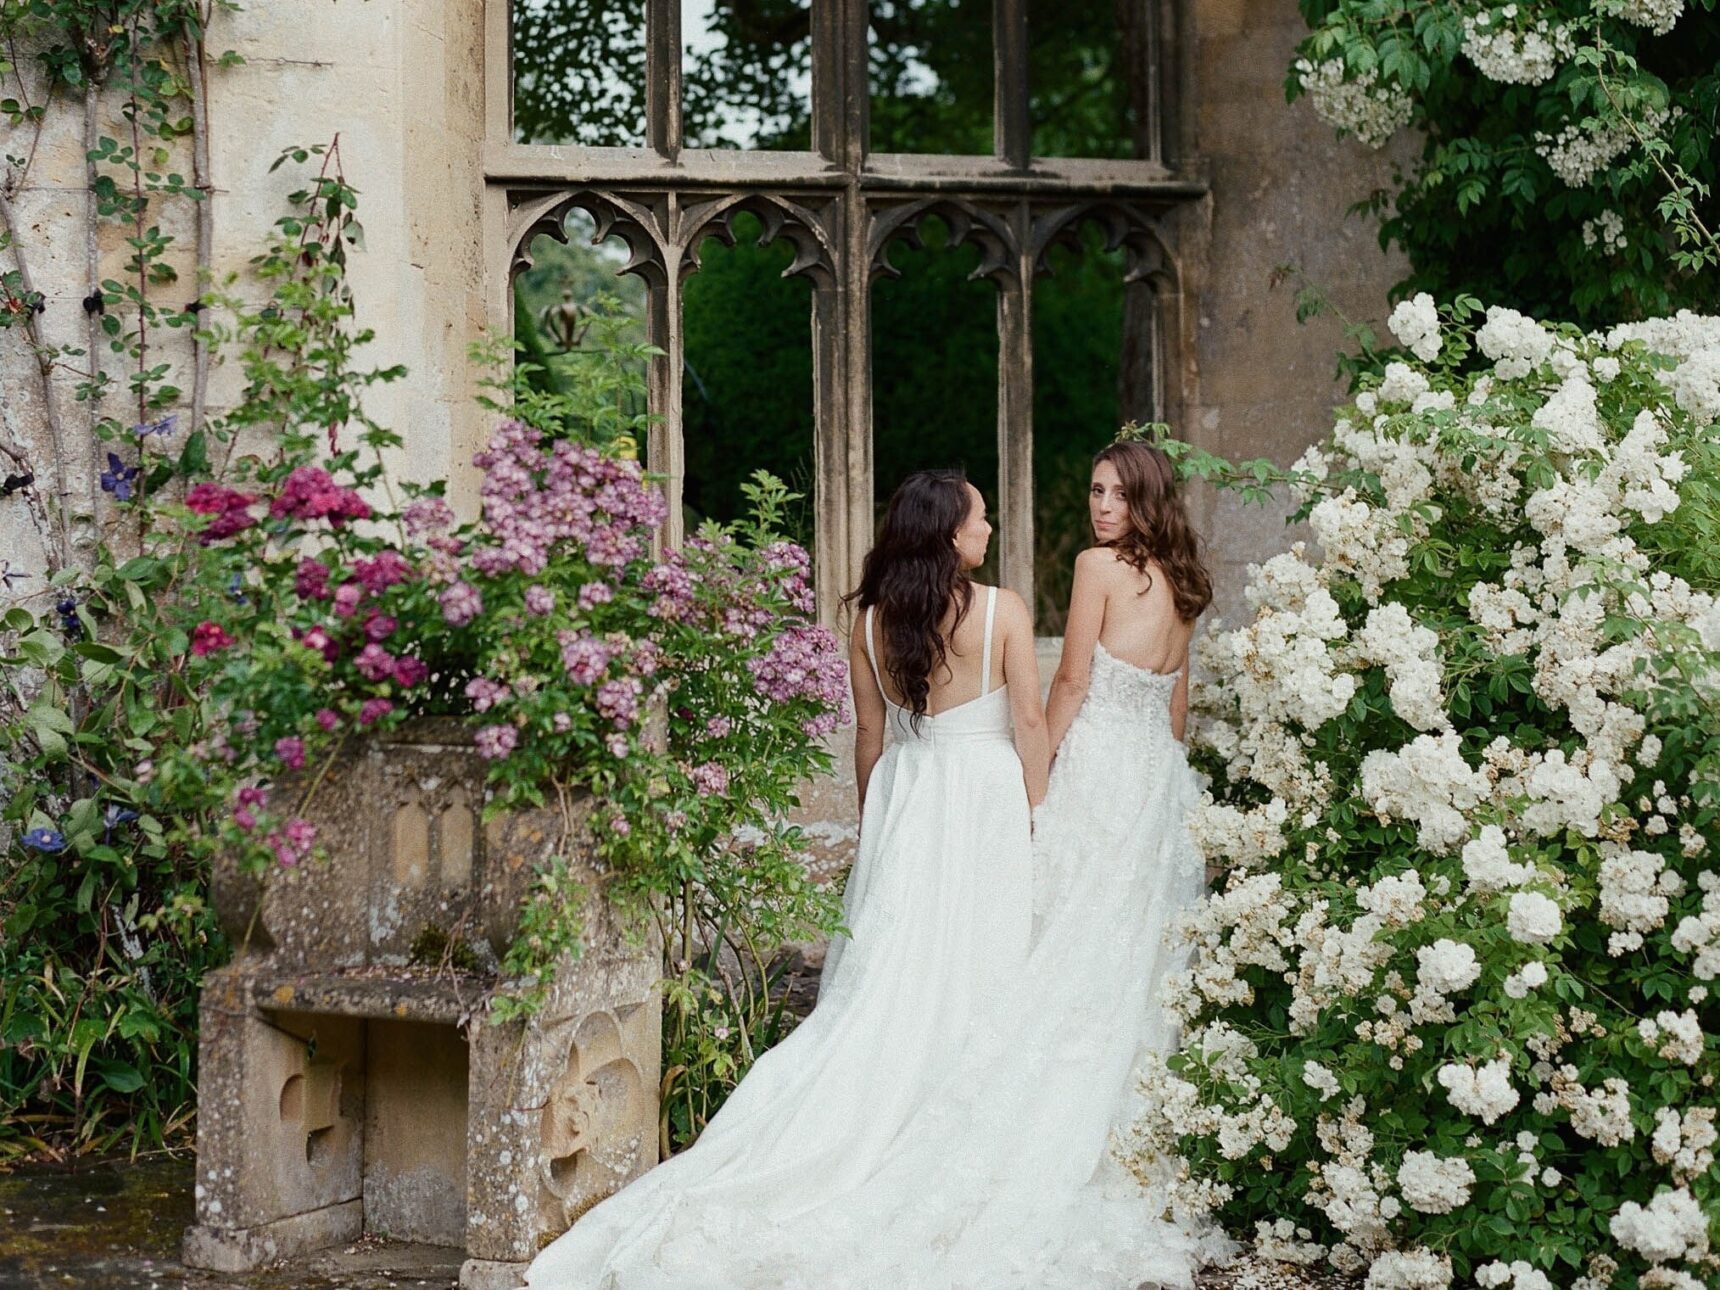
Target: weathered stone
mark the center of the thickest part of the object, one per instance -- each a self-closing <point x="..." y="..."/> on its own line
<point x="348" y="1089"/>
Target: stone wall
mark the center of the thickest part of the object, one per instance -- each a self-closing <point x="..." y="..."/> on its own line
<point x="401" y="85"/>
<point x="1281" y="185"/>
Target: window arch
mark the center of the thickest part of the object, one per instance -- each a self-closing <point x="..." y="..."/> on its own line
<point x="817" y="185"/>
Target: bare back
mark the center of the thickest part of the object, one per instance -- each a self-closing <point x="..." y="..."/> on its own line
<point x="958" y="680"/>
<point x="1141" y="625"/>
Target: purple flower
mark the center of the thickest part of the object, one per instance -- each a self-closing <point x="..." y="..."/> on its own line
<point x="619" y="700"/>
<point x="47" y="841"/>
<point x="461" y="603"/>
<point x="374" y="710"/>
<point x="619" y="747"/>
<point x="317" y="638"/>
<point x="427" y="515"/>
<point x="379" y="627"/>
<point x="116" y="479"/>
<point x="291" y="751"/>
<point x="673" y="587"/>
<point x="710" y="779"/>
<point x="328" y="719"/>
<point x="803" y="663"/>
<point x="619" y="826"/>
<point x="163" y="427"/>
<point x="346" y="599"/>
<point x="584" y="656"/>
<point x="540" y="600"/>
<point x="595" y="593"/>
<point x="374" y="663"/>
<point x="561" y="723"/>
<point x="495" y="742"/>
<point x="719" y="727"/>
<point x="485" y="693"/>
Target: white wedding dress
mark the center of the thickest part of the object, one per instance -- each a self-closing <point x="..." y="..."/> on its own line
<point x="943" y="1119"/>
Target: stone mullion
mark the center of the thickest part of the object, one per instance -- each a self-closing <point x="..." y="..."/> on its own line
<point x="663" y="125"/>
<point x="666" y="454"/>
<point x="1015" y="411"/>
<point x="1012" y="126"/>
<point x="854" y="276"/>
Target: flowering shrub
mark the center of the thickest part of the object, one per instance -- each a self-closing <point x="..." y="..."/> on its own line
<point x="1449" y="1018"/>
<point x="192" y="696"/>
<point x="1569" y="148"/>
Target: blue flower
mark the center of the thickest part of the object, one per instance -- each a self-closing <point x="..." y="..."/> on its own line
<point x="116" y="479"/>
<point x="45" y="840"/>
<point x="114" y="815"/>
<point x="67" y="609"/>
<point x="165" y="426"/>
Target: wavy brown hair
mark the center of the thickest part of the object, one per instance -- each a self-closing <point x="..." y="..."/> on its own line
<point x="1159" y="531"/>
<point x="913" y="574"/>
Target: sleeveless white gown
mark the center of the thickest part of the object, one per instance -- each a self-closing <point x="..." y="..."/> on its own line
<point x="942" y="1120"/>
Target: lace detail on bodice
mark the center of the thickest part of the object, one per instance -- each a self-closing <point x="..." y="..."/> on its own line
<point x="1122" y="689"/>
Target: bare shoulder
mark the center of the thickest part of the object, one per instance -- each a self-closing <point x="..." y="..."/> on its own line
<point x="1011" y="608"/>
<point x="1101" y="562"/>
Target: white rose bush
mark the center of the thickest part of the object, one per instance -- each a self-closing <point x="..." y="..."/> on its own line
<point x="1448" y="1016"/>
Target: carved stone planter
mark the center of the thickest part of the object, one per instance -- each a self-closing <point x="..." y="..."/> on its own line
<point x="346" y="1089"/>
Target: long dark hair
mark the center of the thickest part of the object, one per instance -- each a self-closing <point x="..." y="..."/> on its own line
<point x="913" y="574"/>
<point x="1159" y="528"/>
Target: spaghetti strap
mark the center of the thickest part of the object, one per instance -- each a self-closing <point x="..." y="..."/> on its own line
<point x="985" y="654"/>
<point x="872" y="653"/>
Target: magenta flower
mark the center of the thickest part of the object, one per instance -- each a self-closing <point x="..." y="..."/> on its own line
<point x="374" y="663"/>
<point x="410" y="671"/>
<point x="317" y="638"/>
<point x="540" y="600"/>
<point x="428" y="515"/>
<point x="495" y="742"/>
<point x="346" y="599"/>
<point x="291" y="751"/>
<point x="228" y="508"/>
<point x="311" y="579"/>
<point x="673" y="587"/>
<point x="292" y="843"/>
<point x="619" y="826"/>
<point x="374" y="710"/>
<point x="329" y="719"/>
<point x="208" y="637"/>
<point x="310" y="493"/>
<point x="379" y="627"/>
<point x="461" y="603"/>
<point x="382" y="571"/>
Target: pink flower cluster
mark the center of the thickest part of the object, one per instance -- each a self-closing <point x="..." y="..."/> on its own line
<point x="229" y="507"/>
<point x="461" y="603"/>
<point x="537" y="496"/>
<point x="790" y="558"/>
<point x="805" y="662"/>
<point x="618" y="700"/>
<point x="495" y="742"/>
<point x="310" y="493"/>
<point x="710" y="779"/>
<point x="485" y="693"/>
<point x="208" y="637"/>
<point x="292" y="842"/>
<point x="672" y="585"/>
<point x="584" y="656"/>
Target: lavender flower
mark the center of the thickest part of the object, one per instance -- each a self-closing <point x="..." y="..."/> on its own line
<point x="495" y="742"/>
<point x="461" y="603"/>
<point x="116" y="479"/>
<point x="162" y="427"/>
<point x="47" y="841"/>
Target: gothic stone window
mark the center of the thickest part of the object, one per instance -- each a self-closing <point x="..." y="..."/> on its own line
<point x="847" y="139"/>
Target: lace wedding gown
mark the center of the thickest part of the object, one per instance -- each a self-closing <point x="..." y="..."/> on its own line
<point x="939" y="906"/>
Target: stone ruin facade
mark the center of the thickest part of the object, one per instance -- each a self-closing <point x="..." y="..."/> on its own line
<point x="351" y="1082"/>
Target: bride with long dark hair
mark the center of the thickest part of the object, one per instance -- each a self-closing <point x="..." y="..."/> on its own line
<point x="938" y="908"/>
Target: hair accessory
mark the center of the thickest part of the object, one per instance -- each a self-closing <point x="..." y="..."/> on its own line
<point x="1134" y="432"/>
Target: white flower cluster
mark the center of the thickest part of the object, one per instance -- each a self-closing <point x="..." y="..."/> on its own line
<point x="1505" y="558"/>
<point x="1671" y="1226"/>
<point x="1409" y="653"/>
<point x="1359" y="104"/>
<point x="1415" y="322"/>
<point x="1606" y="229"/>
<point x="1512" y="57"/>
<point x="1434" y="1184"/>
<point x="1485" y="1091"/>
<point x="1659" y="16"/>
<point x="1580" y="151"/>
